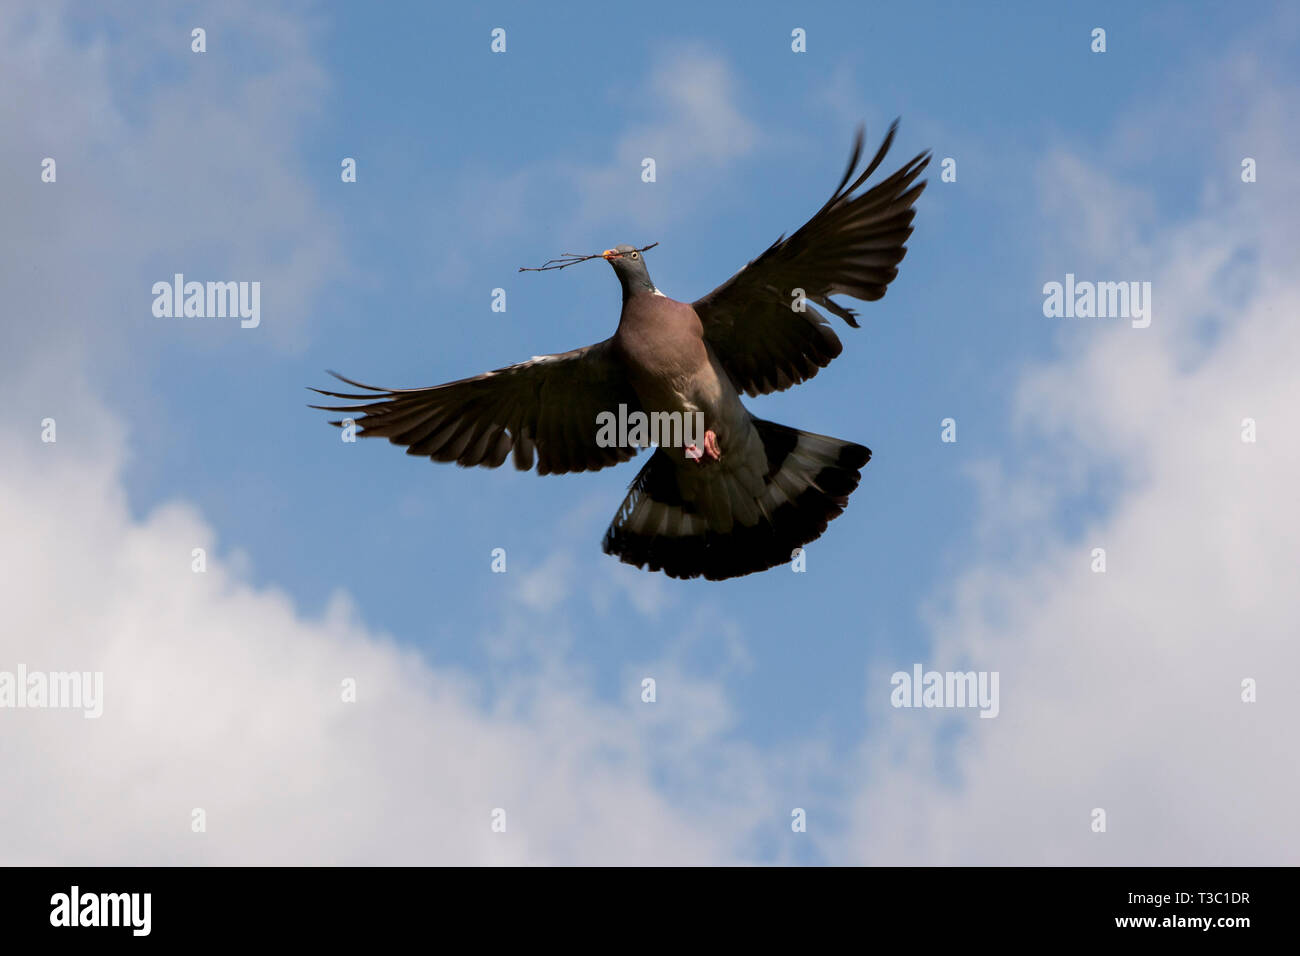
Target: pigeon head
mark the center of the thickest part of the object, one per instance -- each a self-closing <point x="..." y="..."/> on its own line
<point x="629" y="266"/>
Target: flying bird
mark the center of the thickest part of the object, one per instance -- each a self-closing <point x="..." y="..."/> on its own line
<point x="744" y="495"/>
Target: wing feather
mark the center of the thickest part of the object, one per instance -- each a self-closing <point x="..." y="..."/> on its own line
<point x="542" y="410"/>
<point x="852" y="246"/>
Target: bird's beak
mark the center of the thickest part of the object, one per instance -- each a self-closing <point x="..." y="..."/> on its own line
<point x="612" y="254"/>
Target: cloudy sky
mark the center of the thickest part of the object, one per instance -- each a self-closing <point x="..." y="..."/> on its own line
<point x="329" y="562"/>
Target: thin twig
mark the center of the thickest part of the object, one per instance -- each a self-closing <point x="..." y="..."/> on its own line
<point x="571" y="259"/>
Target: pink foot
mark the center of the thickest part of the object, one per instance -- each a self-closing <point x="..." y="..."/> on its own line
<point x="711" y="450"/>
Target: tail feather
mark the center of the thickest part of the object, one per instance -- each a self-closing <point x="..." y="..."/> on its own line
<point x="727" y="530"/>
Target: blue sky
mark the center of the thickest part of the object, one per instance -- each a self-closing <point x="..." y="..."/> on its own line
<point x="225" y="165"/>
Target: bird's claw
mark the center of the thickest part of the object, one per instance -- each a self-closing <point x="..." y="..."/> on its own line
<point x="711" y="450"/>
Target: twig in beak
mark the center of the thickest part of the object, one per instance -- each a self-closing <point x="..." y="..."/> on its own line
<point x="571" y="259"/>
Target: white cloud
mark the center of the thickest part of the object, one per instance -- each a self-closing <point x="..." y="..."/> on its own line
<point x="179" y="160"/>
<point x="219" y="693"/>
<point x="692" y="126"/>
<point x="1122" y="690"/>
<point x="700" y="128"/>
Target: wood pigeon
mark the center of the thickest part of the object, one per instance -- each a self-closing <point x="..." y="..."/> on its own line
<point x="755" y="491"/>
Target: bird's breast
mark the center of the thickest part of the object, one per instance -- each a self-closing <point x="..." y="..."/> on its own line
<point x="662" y="343"/>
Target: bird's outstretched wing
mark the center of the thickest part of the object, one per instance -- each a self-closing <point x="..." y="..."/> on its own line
<point x="852" y="247"/>
<point x="548" y="404"/>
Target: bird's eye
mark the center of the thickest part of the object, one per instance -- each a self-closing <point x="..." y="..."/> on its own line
<point x="634" y="255"/>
